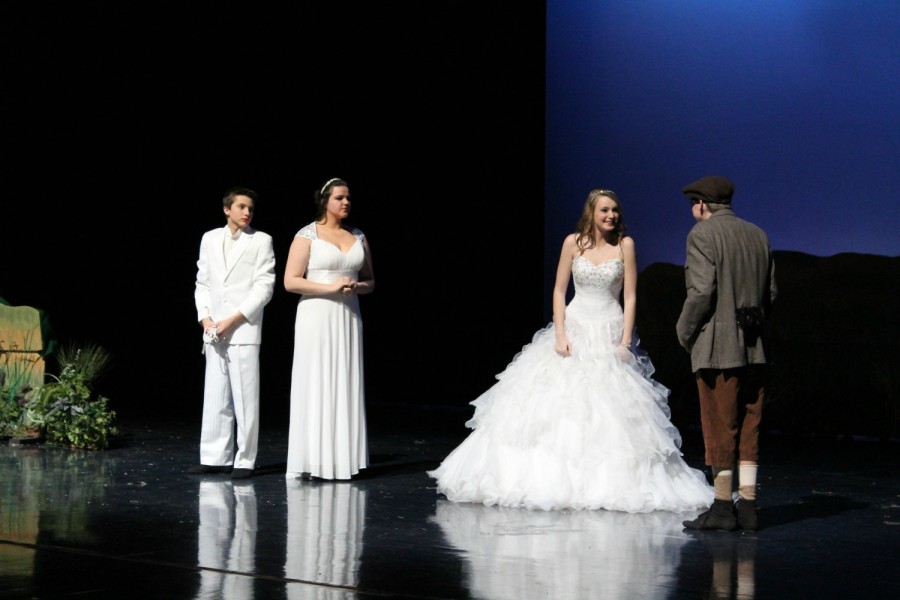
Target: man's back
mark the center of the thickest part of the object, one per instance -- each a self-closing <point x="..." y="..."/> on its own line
<point x="729" y="266"/>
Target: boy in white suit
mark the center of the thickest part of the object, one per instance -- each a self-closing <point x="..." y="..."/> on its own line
<point x="235" y="281"/>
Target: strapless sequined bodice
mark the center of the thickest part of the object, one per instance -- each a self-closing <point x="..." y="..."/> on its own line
<point x="603" y="280"/>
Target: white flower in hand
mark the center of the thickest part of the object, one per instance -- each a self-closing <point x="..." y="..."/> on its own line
<point x="211" y="335"/>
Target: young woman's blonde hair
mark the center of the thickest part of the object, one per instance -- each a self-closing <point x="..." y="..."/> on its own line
<point x="584" y="231"/>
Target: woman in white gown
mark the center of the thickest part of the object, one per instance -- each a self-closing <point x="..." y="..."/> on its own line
<point x="575" y="421"/>
<point x="329" y="264"/>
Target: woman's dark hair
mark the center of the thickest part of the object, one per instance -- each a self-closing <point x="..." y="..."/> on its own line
<point x="324" y="193"/>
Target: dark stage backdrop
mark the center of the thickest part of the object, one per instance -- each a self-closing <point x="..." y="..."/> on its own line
<point x="123" y="123"/>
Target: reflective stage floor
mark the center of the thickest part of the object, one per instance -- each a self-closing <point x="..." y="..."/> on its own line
<point x="129" y="523"/>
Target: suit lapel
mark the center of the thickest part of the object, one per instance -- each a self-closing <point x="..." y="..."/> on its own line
<point x="240" y="246"/>
<point x="217" y="251"/>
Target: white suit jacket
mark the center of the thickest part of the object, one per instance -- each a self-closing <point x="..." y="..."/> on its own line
<point x="246" y="285"/>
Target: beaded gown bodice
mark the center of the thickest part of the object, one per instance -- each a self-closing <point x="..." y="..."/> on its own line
<point x="606" y="277"/>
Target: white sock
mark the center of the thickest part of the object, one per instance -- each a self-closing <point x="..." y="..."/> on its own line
<point x="747" y="480"/>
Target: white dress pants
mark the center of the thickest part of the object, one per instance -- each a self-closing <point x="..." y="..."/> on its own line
<point x="229" y="433"/>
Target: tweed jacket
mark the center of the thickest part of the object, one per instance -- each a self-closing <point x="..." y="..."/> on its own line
<point x="729" y="264"/>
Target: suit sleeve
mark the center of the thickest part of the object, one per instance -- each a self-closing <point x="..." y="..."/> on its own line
<point x="263" y="281"/>
<point x="700" y="283"/>
<point x="201" y="288"/>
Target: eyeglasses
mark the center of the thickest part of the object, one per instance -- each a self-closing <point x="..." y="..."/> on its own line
<point x="695" y="201"/>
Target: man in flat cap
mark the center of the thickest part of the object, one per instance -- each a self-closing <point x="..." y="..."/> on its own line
<point x="730" y="281"/>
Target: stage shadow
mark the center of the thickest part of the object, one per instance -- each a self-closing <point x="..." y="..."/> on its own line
<point x="813" y="506"/>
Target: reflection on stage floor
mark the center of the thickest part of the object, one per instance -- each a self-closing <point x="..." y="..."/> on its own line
<point x="129" y="522"/>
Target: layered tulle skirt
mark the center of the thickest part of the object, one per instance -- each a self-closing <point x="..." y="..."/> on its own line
<point x="587" y="431"/>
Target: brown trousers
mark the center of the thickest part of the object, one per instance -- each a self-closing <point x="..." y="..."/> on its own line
<point x="731" y="403"/>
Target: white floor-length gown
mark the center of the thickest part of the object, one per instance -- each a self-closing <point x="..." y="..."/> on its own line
<point x="587" y="431"/>
<point x="327" y="436"/>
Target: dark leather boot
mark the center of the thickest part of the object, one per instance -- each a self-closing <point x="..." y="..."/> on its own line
<point x="720" y="516"/>
<point x="746" y="514"/>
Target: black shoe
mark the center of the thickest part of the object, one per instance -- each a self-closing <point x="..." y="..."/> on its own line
<point x="720" y="516"/>
<point x="209" y="469"/>
<point x="241" y="473"/>
<point x="746" y="514"/>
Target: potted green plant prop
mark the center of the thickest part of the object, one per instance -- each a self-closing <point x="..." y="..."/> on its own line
<point x="66" y="409"/>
